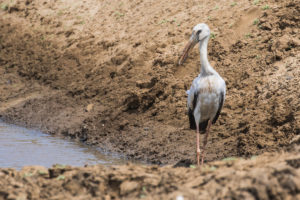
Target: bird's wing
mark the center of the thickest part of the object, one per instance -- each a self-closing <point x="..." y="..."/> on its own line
<point x="191" y="103"/>
<point x="190" y="100"/>
<point x="221" y="103"/>
<point x="192" y="93"/>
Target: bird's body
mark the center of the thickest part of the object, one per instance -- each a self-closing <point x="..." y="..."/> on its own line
<point x="205" y="100"/>
<point x="207" y="93"/>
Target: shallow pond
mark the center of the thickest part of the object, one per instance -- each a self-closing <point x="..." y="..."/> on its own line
<point x="22" y="147"/>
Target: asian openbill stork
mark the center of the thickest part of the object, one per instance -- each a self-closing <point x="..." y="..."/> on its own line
<point x="207" y="93"/>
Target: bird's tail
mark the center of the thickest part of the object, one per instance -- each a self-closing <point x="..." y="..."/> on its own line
<point x="202" y="125"/>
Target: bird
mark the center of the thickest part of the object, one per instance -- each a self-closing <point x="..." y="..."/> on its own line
<point x="207" y="93"/>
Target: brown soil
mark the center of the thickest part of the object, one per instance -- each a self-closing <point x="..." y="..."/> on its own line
<point x="104" y="72"/>
<point x="232" y="179"/>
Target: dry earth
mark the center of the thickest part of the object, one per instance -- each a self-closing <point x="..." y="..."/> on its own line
<point x="104" y="72"/>
<point x="259" y="178"/>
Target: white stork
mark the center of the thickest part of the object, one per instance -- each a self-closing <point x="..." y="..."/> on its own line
<point x="207" y="93"/>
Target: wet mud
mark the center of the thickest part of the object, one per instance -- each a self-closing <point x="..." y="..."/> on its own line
<point x="105" y="73"/>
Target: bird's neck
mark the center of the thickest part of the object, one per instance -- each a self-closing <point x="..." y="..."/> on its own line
<point x="206" y="68"/>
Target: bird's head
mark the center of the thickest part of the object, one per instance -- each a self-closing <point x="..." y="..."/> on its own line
<point x="199" y="33"/>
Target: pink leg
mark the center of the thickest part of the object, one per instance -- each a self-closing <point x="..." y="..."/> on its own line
<point x="205" y="142"/>
<point x="198" y="145"/>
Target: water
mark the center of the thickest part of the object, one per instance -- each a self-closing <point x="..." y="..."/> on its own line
<point x="22" y="147"/>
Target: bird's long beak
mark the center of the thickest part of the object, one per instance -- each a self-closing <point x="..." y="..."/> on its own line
<point x="190" y="45"/>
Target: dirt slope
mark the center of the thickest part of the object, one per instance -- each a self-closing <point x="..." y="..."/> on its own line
<point x="105" y="72"/>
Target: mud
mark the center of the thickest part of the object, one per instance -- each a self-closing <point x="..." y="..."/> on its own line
<point x="257" y="178"/>
<point x="105" y="73"/>
<point x="107" y="76"/>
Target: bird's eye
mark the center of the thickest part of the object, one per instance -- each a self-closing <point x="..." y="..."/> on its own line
<point x="198" y="32"/>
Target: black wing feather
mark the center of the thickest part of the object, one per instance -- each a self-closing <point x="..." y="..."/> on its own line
<point x="191" y="112"/>
<point x="192" y="119"/>
<point x="202" y="125"/>
<point x="220" y="108"/>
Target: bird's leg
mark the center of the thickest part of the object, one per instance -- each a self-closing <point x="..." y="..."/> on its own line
<point x="198" y="145"/>
<point x="205" y="142"/>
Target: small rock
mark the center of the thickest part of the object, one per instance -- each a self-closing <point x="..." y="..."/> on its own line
<point x="89" y="107"/>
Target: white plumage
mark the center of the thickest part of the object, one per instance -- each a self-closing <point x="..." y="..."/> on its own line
<point x="207" y="93"/>
<point x="210" y="93"/>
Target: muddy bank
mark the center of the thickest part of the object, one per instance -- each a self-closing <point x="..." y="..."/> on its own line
<point x="270" y="176"/>
<point x="105" y="73"/>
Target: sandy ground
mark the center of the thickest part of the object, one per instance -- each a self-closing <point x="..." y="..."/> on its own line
<point x="105" y="73"/>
